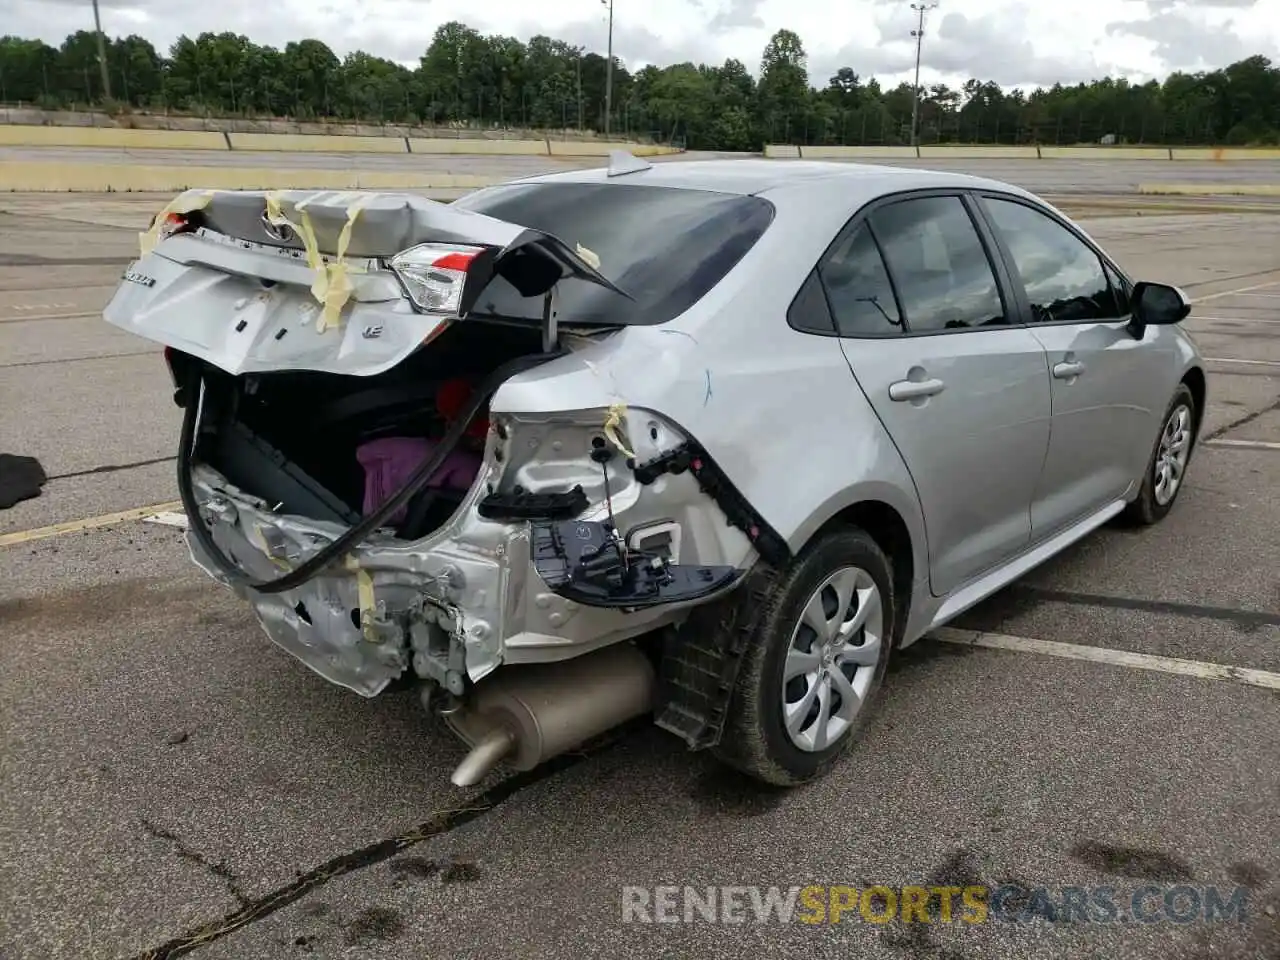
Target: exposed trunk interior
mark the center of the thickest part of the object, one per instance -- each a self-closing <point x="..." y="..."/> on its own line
<point x="334" y="447"/>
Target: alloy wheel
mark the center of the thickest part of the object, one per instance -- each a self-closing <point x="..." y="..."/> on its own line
<point x="831" y="660"/>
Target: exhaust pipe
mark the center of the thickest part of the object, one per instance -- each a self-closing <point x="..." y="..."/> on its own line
<point x="529" y="714"/>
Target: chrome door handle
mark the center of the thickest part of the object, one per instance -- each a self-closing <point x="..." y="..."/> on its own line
<point x="912" y="389"/>
<point x="1068" y="369"/>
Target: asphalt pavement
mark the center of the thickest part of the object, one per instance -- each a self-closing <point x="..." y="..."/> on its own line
<point x="171" y="782"/>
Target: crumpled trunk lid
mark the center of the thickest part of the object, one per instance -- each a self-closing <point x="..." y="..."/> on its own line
<point x="263" y="281"/>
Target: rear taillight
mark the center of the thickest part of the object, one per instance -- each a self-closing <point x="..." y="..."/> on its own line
<point x="173" y="223"/>
<point x="435" y="274"/>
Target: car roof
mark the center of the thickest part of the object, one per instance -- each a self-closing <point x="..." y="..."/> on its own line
<point x="777" y="177"/>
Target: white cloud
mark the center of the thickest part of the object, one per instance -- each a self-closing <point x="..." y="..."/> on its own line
<point x="1015" y="42"/>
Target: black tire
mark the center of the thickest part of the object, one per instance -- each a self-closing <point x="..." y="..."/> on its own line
<point x="755" y="740"/>
<point x="1146" y="509"/>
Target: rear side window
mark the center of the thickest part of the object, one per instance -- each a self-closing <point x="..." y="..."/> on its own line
<point x="666" y="247"/>
<point x="858" y="287"/>
<point x="938" y="264"/>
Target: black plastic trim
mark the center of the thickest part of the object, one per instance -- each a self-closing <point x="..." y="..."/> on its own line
<point x="520" y="505"/>
<point x="716" y="484"/>
<point x="582" y="561"/>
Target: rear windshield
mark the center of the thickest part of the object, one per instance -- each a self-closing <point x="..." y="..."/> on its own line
<point x="665" y="246"/>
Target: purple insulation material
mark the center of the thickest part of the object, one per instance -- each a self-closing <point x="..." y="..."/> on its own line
<point x="391" y="461"/>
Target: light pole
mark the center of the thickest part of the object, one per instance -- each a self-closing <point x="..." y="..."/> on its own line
<point x="918" y="33"/>
<point x="608" y="73"/>
<point x="102" y="53"/>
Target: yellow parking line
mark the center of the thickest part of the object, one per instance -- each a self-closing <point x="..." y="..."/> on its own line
<point x="88" y="523"/>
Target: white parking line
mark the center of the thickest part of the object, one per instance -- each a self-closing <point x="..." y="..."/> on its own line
<point x="85" y="523"/>
<point x="1244" y="444"/>
<point x="1241" y="292"/>
<point x="170" y="518"/>
<point x="1199" y="669"/>
<point x="52" y="316"/>
<point x="1260" y="363"/>
<point x="1196" y="316"/>
<point x="1262" y="296"/>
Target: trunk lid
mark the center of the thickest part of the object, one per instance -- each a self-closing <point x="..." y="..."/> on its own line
<point x="256" y="281"/>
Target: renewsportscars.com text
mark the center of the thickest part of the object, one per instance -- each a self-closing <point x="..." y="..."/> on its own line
<point x="1010" y="903"/>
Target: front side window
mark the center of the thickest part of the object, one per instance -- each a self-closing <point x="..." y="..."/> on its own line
<point x="1064" y="278"/>
<point x="858" y="287"/>
<point x="939" y="265"/>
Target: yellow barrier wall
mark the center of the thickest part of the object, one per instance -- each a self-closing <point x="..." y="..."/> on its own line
<point x="857" y="153"/>
<point x="587" y="148"/>
<point x="1225" y="153"/>
<point x="315" y="143"/>
<point x="17" y="135"/>
<point x="480" y="148"/>
<point x="1104" y="153"/>
<point x="1211" y="189"/>
<point x="979" y="152"/>
<point x="781" y="151"/>
<point x="124" y="178"/>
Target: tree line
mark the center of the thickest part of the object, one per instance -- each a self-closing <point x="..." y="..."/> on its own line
<point x="466" y="79"/>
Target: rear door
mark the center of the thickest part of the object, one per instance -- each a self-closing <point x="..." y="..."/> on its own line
<point x="1106" y="384"/>
<point x="960" y="386"/>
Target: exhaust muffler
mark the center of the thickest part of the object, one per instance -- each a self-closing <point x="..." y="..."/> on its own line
<point x="528" y="714"/>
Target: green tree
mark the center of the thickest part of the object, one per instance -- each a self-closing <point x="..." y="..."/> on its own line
<point x="468" y="79"/>
<point x="784" y="92"/>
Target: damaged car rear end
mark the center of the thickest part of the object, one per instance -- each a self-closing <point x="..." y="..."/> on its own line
<point x="403" y="444"/>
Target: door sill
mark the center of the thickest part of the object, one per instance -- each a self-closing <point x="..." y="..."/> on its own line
<point x="978" y="590"/>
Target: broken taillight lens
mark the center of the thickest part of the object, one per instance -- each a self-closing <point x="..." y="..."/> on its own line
<point x="434" y="274"/>
<point x="173" y="223"/>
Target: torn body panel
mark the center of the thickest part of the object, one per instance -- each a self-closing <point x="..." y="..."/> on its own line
<point x="454" y="606"/>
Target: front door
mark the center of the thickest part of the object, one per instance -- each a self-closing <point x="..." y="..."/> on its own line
<point x="962" y="391"/>
<point x="1105" y="416"/>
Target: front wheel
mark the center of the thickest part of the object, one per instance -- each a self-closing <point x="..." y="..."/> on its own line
<point x="1167" y="466"/>
<point x="814" y="660"/>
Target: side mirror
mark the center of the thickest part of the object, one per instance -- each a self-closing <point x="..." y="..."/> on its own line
<point x="1159" y="304"/>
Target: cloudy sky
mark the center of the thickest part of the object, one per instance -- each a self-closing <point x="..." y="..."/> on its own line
<point x="1014" y="42"/>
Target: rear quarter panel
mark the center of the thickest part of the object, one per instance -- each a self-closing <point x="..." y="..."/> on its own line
<point x="777" y="409"/>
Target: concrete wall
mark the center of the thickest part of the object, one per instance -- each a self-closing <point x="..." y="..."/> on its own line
<point x="480" y="148"/>
<point x="1211" y="189"/>
<point x="20" y="135"/>
<point x="310" y="143"/>
<point x="1105" y="153"/>
<point x="142" y="120"/>
<point x="122" y="178"/>
<point x="13" y="135"/>
<point x="585" y="148"/>
<point x="994" y="152"/>
<point x="1225" y="153"/>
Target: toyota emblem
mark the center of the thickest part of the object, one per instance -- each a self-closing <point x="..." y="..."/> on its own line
<point x="276" y="231"/>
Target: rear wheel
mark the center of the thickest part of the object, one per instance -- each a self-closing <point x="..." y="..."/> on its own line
<point x="814" y="661"/>
<point x="1167" y="467"/>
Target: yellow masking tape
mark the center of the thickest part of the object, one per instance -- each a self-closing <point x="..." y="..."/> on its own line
<point x="185" y="202"/>
<point x="611" y="424"/>
<point x="337" y="285"/>
<point x="590" y="256"/>
<point x="364" y="596"/>
<point x="332" y="284"/>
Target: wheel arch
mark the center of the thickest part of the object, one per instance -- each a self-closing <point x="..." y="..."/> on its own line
<point x="1197" y="383"/>
<point x="896" y="528"/>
